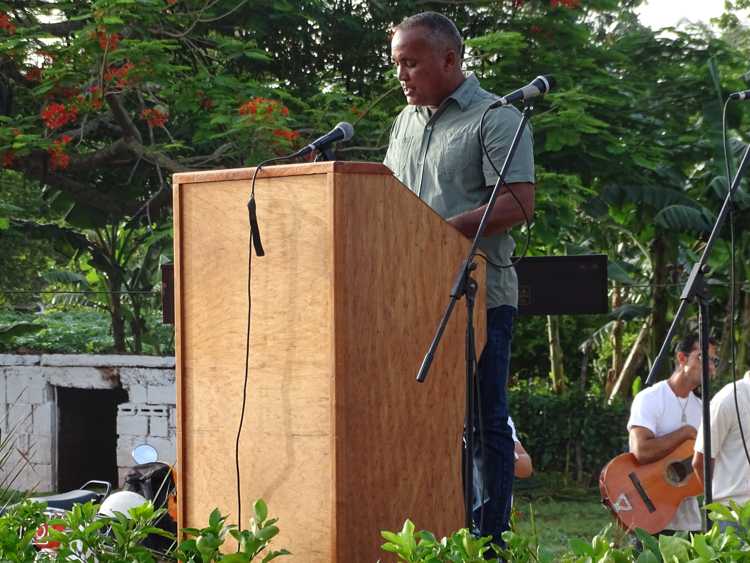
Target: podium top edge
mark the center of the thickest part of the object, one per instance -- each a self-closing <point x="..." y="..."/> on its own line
<point x="303" y="169"/>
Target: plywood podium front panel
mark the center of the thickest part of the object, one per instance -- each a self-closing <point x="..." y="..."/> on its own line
<point x="338" y="437"/>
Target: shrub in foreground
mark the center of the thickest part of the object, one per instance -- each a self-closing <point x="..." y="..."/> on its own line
<point x="730" y="545"/>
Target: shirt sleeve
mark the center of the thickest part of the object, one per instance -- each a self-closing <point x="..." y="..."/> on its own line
<point x="644" y="411"/>
<point x="390" y="157"/>
<point x="499" y="128"/>
<point x="722" y="413"/>
<point x="513" y="430"/>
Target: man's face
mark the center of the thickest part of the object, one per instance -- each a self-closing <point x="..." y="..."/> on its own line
<point x="425" y="71"/>
<point x="692" y="365"/>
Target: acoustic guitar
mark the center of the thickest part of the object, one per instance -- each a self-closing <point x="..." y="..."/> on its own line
<point x="647" y="496"/>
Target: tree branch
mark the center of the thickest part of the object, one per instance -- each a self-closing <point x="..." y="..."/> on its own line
<point x="130" y="131"/>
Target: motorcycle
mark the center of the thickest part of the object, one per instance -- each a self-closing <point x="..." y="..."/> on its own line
<point x="149" y="479"/>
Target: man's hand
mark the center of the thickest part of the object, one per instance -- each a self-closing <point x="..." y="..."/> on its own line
<point x="506" y="214"/>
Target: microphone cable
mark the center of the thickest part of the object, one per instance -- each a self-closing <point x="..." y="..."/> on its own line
<point x="732" y="280"/>
<point x="526" y="218"/>
<point x="254" y="243"/>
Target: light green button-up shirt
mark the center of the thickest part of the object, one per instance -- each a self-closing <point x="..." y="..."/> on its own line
<point x="440" y="159"/>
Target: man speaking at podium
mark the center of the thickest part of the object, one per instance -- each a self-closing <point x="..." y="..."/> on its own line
<point x="434" y="149"/>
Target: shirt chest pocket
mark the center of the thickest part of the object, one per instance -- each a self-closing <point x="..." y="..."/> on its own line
<point x="460" y="158"/>
<point x="400" y="153"/>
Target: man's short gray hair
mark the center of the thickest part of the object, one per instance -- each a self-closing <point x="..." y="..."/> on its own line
<point x="442" y="31"/>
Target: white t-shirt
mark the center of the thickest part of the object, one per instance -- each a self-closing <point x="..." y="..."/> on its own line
<point x="513" y="430"/>
<point x="660" y="410"/>
<point x="731" y="475"/>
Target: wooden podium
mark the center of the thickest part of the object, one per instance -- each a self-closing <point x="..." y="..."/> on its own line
<point x="339" y="439"/>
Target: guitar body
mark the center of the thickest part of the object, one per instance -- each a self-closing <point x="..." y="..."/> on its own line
<point x="647" y="496"/>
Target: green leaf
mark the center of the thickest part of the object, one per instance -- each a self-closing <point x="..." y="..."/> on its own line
<point x="684" y="218"/>
<point x="674" y="548"/>
<point x="647" y="557"/>
<point x="581" y="547"/>
<point x="260" y="510"/>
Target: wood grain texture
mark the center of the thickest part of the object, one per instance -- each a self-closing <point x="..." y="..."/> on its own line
<point x="281" y="170"/>
<point x="338" y="438"/>
<point x="285" y="445"/>
<point x="397" y="441"/>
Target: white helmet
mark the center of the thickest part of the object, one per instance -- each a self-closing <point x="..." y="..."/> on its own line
<point x="121" y="501"/>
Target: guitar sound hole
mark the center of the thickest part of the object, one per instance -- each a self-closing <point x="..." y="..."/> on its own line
<point x="676" y="473"/>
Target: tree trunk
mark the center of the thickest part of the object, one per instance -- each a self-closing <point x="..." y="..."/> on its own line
<point x="137" y="326"/>
<point x="660" y="253"/>
<point x="633" y="362"/>
<point x="618" y="330"/>
<point x="557" y="373"/>
<point x="118" y="322"/>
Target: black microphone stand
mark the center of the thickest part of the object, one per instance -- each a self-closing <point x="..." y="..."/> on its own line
<point x="465" y="285"/>
<point x="696" y="289"/>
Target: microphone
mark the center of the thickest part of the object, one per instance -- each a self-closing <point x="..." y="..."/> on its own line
<point x="342" y="132"/>
<point x="740" y="95"/>
<point x="540" y="85"/>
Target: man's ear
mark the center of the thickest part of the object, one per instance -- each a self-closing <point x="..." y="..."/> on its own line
<point x="451" y="60"/>
<point x="682" y="358"/>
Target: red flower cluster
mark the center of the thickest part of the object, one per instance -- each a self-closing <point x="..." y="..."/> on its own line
<point x="356" y="111"/>
<point x="96" y="97"/>
<point x="108" y="42"/>
<point x="6" y="24"/>
<point x="287" y="134"/>
<point x="119" y="75"/>
<point x="263" y="106"/>
<point x="56" y="115"/>
<point x="154" y="117"/>
<point x="205" y="101"/>
<point x="58" y="160"/>
<point x="9" y="158"/>
<point x="565" y="3"/>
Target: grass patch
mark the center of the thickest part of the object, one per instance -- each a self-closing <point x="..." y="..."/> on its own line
<point x="560" y="511"/>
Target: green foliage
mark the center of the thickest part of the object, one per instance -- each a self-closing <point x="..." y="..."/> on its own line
<point x="424" y="547"/>
<point x="79" y="330"/>
<point x="203" y="545"/>
<point x="732" y="545"/>
<point x="573" y="434"/>
<point x="18" y="526"/>
<point x="85" y="535"/>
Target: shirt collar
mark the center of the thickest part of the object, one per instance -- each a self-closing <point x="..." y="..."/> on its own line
<point x="461" y="95"/>
<point x="465" y="92"/>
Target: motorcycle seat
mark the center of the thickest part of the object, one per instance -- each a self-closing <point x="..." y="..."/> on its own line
<point x="65" y="501"/>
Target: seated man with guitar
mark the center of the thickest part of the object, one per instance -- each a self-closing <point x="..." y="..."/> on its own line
<point x="658" y="491"/>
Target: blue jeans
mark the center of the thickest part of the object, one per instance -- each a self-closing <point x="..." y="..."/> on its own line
<point x="493" y="441"/>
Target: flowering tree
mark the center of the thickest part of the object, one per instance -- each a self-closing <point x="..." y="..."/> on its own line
<point x="100" y="102"/>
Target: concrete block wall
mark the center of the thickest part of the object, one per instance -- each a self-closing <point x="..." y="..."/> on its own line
<point x="28" y="413"/>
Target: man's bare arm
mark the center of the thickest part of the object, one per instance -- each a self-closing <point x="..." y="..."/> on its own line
<point x="647" y="448"/>
<point x="506" y="213"/>
<point x="698" y="465"/>
<point x="523" y="467"/>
